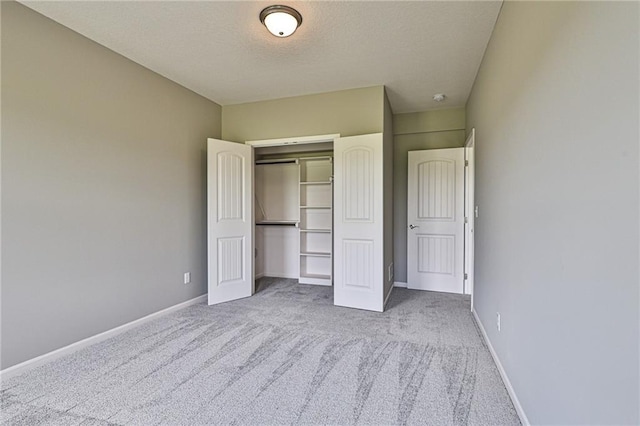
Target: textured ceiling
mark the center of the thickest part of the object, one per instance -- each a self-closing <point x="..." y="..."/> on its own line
<point x="221" y="50"/>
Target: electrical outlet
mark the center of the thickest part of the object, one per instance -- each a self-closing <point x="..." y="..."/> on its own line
<point x="187" y="277"/>
<point x="390" y="272"/>
<point x="498" y="320"/>
<point x="476" y="211"/>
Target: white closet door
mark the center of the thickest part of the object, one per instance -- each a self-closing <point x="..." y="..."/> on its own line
<point x="358" y="222"/>
<point x="230" y="220"/>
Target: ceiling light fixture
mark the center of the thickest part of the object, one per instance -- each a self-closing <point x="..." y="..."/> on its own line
<point x="281" y="21"/>
<point x="439" y="97"/>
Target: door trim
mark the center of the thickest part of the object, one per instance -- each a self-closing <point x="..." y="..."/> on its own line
<point x="469" y="212"/>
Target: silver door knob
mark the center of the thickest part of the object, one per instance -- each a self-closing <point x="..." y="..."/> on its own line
<point x="413" y="226"/>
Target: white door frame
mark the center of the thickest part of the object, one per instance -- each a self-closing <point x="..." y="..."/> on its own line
<point x="469" y="213"/>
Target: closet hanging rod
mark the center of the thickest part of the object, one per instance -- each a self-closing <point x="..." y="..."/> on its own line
<point x="278" y="161"/>
<point x="278" y="223"/>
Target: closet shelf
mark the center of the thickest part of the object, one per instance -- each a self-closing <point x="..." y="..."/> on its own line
<point x="316" y="158"/>
<point x="319" y="276"/>
<point x="316" y="200"/>
<point x="276" y="161"/>
<point x="320" y="231"/>
<point x="327" y="182"/>
<point x="317" y="279"/>
<point x="278" y="223"/>
<point x="315" y="254"/>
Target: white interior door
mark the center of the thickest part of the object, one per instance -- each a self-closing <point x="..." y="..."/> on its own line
<point x="435" y="215"/>
<point x="230" y="220"/>
<point x="358" y="222"/>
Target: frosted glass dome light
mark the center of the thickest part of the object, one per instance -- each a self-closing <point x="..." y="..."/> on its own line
<point x="281" y="21"/>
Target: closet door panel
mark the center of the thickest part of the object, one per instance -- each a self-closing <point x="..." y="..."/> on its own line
<point x="358" y="222"/>
<point x="229" y="221"/>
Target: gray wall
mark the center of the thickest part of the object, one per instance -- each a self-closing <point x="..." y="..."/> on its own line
<point x="103" y="196"/>
<point x="433" y="129"/>
<point x="555" y="107"/>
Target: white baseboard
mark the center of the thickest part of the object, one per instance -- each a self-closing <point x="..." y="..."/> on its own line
<point x="260" y="275"/>
<point x="66" y="350"/>
<point x="400" y="284"/>
<point x="507" y="383"/>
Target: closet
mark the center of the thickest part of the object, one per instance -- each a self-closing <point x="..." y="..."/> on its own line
<point x="307" y="208"/>
<point x="294" y="217"/>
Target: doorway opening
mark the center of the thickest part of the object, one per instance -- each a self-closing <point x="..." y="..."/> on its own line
<point x="440" y="218"/>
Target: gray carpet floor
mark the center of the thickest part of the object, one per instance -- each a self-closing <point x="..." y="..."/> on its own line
<point x="283" y="356"/>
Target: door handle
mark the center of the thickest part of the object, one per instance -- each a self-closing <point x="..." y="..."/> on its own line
<point x="413" y="226"/>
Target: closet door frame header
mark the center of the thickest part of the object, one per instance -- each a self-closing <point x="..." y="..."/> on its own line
<point x="299" y="140"/>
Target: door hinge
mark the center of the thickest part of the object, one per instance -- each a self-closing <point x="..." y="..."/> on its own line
<point x="466" y="163"/>
<point x="466" y="277"/>
<point x="466" y="220"/>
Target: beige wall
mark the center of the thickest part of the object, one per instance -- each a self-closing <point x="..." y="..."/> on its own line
<point x="556" y="111"/>
<point x="348" y="112"/>
<point x="441" y="128"/>
<point x="103" y="187"/>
